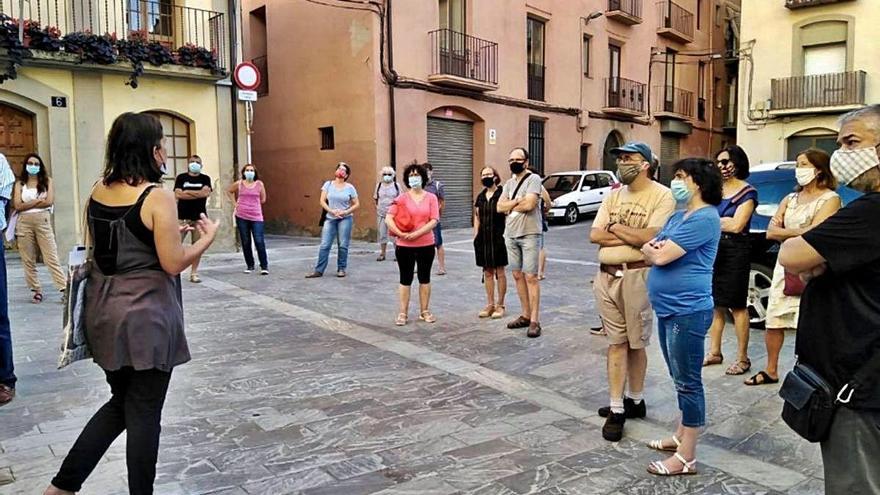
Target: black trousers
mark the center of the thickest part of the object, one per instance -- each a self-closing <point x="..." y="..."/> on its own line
<point x="135" y="407"/>
<point x="410" y="257"/>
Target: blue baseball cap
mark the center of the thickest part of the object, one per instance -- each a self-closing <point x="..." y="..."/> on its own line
<point x="635" y="147"/>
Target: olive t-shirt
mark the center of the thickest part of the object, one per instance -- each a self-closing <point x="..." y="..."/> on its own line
<point x="648" y="208"/>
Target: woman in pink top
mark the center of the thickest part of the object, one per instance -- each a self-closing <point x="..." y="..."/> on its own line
<point x="249" y="194"/>
<point x="412" y="218"/>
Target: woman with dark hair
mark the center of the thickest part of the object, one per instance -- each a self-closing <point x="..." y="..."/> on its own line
<point x="730" y="282"/>
<point x="813" y="201"/>
<point x="412" y="218"/>
<point x="489" y="246"/>
<point x="249" y="194"/>
<point x="680" y="289"/>
<point x="133" y="307"/>
<point x="339" y="199"/>
<point x="32" y="198"/>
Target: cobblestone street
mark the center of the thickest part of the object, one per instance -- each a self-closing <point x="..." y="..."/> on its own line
<point x="306" y="387"/>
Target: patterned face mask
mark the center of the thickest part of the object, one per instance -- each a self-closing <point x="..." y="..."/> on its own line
<point x="848" y="165"/>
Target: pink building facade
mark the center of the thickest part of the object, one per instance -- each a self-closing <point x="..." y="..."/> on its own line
<point x="461" y="82"/>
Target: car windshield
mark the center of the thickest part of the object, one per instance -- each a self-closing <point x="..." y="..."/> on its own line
<point x="561" y="183"/>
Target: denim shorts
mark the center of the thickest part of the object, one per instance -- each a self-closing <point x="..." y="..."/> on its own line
<point x="438" y="235"/>
<point x="522" y="253"/>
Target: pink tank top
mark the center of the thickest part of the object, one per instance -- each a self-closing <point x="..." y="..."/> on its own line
<point x="249" y="206"/>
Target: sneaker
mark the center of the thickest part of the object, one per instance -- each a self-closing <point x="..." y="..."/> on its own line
<point x="264" y="272"/>
<point x="195" y="279"/>
<point x="630" y="408"/>
<point x="315" y="275"/>
<point x="6" y="394"/>
<point x="600" y="330"/>
<point x="613" y="429"/>
<point x="249" y="270"/>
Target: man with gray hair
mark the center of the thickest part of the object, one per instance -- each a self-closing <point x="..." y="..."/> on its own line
<point x="838" y="333"/>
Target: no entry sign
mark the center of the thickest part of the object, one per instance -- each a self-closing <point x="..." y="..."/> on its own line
<point x="247" y="76"/>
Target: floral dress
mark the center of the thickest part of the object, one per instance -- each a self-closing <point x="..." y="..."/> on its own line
<point x="782" y="310"/>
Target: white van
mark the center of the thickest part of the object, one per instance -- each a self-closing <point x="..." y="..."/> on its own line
<point x="577" y="193"/>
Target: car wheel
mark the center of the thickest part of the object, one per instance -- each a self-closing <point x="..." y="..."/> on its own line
<point x="571" y="214"/>
<point x="760" y="280"/>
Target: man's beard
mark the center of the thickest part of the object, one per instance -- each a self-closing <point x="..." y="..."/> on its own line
<point x="867" y="182"/>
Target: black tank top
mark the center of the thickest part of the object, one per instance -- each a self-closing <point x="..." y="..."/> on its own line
<point x="105" y="222"/>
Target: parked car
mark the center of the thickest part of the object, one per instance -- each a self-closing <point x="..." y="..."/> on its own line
<point x="577" y="193"/>
<point x="773" y="182"/>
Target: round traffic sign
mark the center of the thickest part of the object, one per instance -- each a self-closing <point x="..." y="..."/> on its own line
<point x="247" y="76"/>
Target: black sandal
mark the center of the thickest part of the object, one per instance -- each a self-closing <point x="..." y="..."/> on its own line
<point x="521" y="322"/>
<point x="38" y="298"/>
<point x="765" y="379"/>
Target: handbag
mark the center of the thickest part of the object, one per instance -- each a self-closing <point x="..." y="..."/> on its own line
<point x="810" y="401"/>
<point x="75" y="346"/>
<point x="794" y="285"/>
<point x="402" y="217"/>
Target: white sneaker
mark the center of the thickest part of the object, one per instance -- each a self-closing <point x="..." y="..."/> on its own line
<point x="248" y="270"/>
<point x="264" y="272"/>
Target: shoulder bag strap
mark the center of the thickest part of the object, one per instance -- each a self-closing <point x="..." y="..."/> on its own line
<point x="521" y="181"/>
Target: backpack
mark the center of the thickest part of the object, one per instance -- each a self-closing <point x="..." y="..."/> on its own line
<point x="379" y="186"/>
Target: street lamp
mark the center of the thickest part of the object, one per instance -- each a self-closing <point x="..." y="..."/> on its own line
<point x="595" y="15"/>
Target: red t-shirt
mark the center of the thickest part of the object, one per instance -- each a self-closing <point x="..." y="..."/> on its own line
<point x="420" y="213"/>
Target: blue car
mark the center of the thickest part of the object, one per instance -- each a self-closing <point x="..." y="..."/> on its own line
<point x="773" y="182"/>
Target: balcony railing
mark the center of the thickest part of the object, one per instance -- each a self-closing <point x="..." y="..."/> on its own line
<point x="673" y="101"/>
<point x="797" y="4"/>
<point x="163" y="21"/>
<point x="676" y="22"/>
<point x="624" y="96"/>
<point x="821" y="91"/>
<point x="536" y="81"/>
<point x="625" y="11"/>
<point x="263" y="66"/>
<point x="463" y="56"/>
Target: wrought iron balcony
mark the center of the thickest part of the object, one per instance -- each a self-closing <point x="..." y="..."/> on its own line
<point x="672" y="102"/>
<point x="536" y="74"/>
<point x="628" y="12"/>
<point x="172" y="25"/>
<point x="676" y="22"/>
<point x="798" y="4"/>
<point x="624" y="97"/>
<point x="820" y="93"/>
<point x="464" y="61"/>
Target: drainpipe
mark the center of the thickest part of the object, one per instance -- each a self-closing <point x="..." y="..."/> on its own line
<point x="233" y="61"/>
<point x="393" y="125"/>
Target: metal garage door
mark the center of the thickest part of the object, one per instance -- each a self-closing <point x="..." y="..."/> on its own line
<point x="670" y="150"/>
<point x="451" y="152"/>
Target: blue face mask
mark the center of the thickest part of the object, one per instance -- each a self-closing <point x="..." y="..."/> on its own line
<point x="195" y="167"/>
<point x="33" y="169"/>
<point x="415" y="182"/>
<point x="249" y="175"/>
<point x="387" y="178"/>
<point x="680" y="191"/>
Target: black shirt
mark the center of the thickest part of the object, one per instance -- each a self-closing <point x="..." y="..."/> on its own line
<point x="191" y="209"/>
<point x="839" y="326"/>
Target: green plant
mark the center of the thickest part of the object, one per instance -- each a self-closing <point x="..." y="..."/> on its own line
<point x="91" y="47"/>
<point x="47" y="39"/>
<point x="15" y="50"/>
<point x="192" y="55"/>
<point x="138" y="50"/>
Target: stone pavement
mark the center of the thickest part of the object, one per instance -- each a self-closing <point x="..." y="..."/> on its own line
<point x="306" y="387"/>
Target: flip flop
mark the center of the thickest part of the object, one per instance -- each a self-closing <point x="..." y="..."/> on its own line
<point x="765" y="379"/>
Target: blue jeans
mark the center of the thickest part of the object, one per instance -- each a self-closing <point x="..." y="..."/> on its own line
<point x="7" y="370"/>
<point x="682" y="340"/>
<point x="339" y="230"/>
<point x="246" y="230"/>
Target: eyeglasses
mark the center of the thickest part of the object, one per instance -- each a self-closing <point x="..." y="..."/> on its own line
<point x="515" y="160"/>
<point x="724" y="162"/>
<point x="387" y="175"/>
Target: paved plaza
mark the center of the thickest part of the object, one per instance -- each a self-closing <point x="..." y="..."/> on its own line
<point x="306" y="387"/>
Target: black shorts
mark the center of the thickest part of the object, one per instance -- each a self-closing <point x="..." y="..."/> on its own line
<point x="408" y="258"/>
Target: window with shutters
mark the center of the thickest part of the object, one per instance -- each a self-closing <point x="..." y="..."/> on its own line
<point x="536" y="145"/>
<point x="327" y="138"/>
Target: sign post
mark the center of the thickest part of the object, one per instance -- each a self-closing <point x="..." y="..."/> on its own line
<point x="247" y="77"/>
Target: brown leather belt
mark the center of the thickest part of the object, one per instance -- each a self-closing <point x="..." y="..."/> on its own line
<point x="617" y="270"/>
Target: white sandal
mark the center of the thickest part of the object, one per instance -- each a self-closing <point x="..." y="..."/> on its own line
<point x="660" y="469"/>
<point x="658" y="445"/>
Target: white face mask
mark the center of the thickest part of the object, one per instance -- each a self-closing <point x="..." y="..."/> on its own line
<point x="848" y="165"/>
<point x="805" y="175"/>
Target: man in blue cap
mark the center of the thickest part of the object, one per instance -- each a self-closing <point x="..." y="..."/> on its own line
<point x="628" y="218"/>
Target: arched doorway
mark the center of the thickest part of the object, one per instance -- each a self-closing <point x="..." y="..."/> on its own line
<point x="614" y="140"/>
<point x="17" y="137"/>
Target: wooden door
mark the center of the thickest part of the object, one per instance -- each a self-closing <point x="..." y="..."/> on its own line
<point x="17" y="137"/>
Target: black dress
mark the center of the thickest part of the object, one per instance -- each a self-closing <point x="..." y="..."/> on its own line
<point x="730" y="275"/>
<point x="489" y="246"/>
